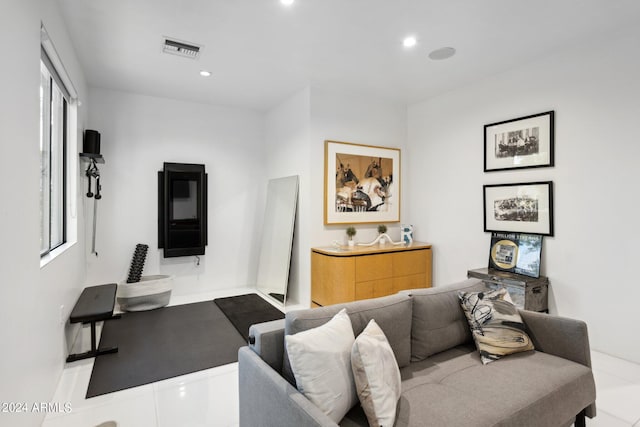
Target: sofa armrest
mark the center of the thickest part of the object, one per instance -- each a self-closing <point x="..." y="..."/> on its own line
<point x="560" y="336"/>
<point x="267" y="340"/>
<point x="268" y="400"/>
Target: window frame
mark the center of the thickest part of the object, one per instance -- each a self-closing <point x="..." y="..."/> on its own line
<point x="47" y="139"/>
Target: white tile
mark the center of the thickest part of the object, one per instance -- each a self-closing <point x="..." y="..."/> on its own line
<point x="73" y="384"/>
<point x="617" y="397"/>
<point x="113" y="398"/>
<point x="210" y="401"/>
<point x="138" y="411"/>
<point x="620" y="368"/>
<point x="196" y="376"/>
<point x="604" y="419"/>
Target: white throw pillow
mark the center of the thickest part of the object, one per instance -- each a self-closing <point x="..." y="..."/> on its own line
<point x="376" y="375"/>
<point x="321" y="363"/>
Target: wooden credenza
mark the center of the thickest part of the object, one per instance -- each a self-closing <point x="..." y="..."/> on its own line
<point x="344" y="274"/>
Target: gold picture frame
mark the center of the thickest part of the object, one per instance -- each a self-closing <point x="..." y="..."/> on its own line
<point x="361" y="183"/>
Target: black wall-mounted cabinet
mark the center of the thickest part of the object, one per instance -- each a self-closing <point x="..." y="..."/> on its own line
<point x="182" y="209"/>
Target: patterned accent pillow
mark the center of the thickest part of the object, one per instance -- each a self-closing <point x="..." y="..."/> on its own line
<point x="376" y="375"/>
<point x="496" y="325"/>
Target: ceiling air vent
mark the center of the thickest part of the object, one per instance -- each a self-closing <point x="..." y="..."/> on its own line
<point x="181" y="48"/>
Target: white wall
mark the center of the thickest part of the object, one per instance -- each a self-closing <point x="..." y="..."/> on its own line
<point x="287" y="130"/>
<point x="138" y="134"/>
<point x="357" y="118"/>
<point x="295" y="135"/>
<point x="594" y="90"/>
<point x="34" y="340"/>
<point x="242" y="150"/>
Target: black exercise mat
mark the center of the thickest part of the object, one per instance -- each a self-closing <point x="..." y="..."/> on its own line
<point x="164" y="343"/>
<point x="246" y="310"/>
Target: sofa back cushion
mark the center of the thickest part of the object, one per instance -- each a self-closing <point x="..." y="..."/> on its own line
<point x="438" y="321"/>
<point x="392" y="314"/>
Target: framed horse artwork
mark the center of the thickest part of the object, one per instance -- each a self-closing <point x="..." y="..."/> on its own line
<point x="361" y="183"/>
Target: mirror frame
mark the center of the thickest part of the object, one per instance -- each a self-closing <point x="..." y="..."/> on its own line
<point x="277" y="237"/>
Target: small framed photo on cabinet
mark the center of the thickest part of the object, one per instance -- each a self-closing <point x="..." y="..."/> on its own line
<point x="516" y="253"/>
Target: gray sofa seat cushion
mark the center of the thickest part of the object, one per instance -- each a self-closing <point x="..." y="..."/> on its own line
<point x="420" y="373"/>
<point x="525" y="389"/>
<point x="453" y="388"/>
<point x="392" y="313"/>
<point x="438" y="321"/>
<point x="439" y="366"/>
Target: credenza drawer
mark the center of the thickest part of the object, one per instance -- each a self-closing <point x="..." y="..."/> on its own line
<point x="373" y="267"/>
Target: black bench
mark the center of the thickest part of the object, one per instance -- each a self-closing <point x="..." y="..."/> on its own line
<point x="94" y="304"/>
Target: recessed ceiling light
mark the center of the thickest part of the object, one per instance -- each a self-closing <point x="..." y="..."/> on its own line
<point x="205" y="73"/>
<point x="409" y="41"/>
<point x="286" y="2"/>
<point x="442" y="53"/>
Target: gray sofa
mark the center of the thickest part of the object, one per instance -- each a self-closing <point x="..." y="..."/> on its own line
<point x="444" y="382"/>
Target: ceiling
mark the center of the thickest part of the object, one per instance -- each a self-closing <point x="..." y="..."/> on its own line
<point x="259" y="52"/>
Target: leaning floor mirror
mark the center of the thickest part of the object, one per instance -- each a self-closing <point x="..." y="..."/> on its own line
<point x="277" y="238"/>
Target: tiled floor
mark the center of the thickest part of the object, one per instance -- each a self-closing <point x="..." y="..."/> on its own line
<point x="205" y="398"/>
<point x="210" y="397"/>
<point x="617" y="391"/>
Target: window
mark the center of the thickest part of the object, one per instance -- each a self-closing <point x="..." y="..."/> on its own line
<point x="54" y="100"/>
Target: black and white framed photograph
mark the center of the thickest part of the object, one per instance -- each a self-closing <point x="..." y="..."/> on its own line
<point x="521" y="208"/>
<point x="525" y="142"/>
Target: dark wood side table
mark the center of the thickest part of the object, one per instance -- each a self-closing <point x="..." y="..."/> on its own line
<point x="526" y="292"/>
<point x="94" y="304"/>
